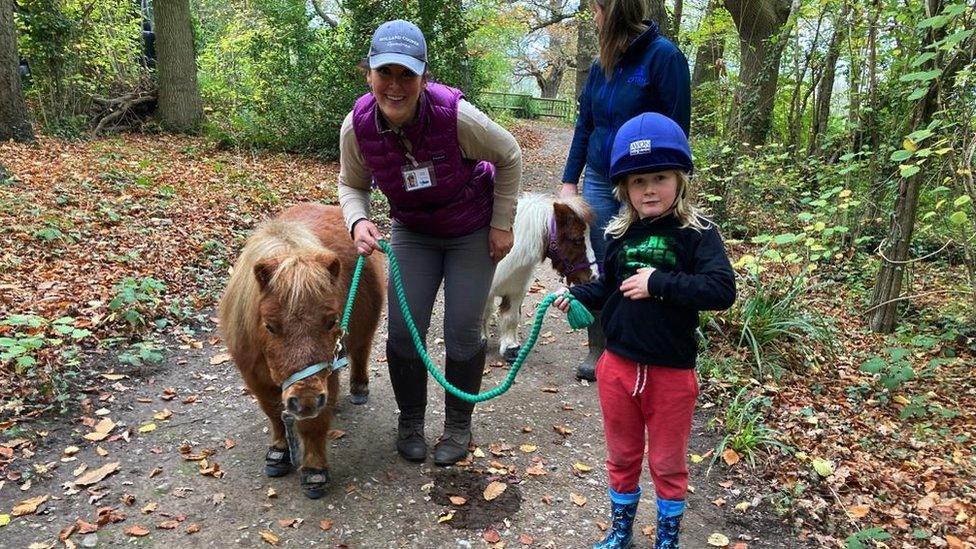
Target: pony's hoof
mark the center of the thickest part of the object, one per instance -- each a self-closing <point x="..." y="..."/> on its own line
<point x="277" y="462"/>
<point x="314" y="482"/>
<point x="511" y="353"/>
<point x="359" y="398"/>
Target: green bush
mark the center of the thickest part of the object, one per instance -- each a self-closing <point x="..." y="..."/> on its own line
<point x="77" y="50"/>
<point x="745" y="431"/>
<point x="526" y="108"/>
<point x="776" y="330"/>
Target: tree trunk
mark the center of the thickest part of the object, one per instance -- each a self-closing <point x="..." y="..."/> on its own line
<point x="656" y="12"/>
<point x="709" y="53"/>
<point x="14" y="123"/>
<point x="887" y="288"/>
<point x="825" y="88"/>
<point x="550" y="82"/>
<point x="676" y="24"/>
<point x="180" y="106"/>
<point x="872" y="207"/>
<point x="586" y="45"/>
<point x="762" y="38"/>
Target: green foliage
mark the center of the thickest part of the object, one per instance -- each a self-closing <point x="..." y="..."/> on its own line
<point x="270" y="79"/>
<point x="141" y="353"/>
<point x="776" y="330"/>
<point x="745" y="431"/>
<point x="78" y="50"/>
<point x="892" y="371"/>
<point x="26" y="335"/>
<point x="273" y="75"/>
<point x="526" y="108"/>
<point x="865" y="539"/>
<point x="136" y="300"/>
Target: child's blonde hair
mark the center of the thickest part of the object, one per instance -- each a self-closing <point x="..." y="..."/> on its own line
<point x="684" y="209"/>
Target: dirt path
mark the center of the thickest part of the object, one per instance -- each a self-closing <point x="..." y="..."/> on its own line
<point x="376" y="500"/>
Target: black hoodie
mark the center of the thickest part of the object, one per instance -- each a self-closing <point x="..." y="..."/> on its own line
<point x="692" y="273"/>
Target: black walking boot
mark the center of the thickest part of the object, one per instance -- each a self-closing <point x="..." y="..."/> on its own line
<point x="409" y="379"/>
<point x="624" y="510"/>
<point x="466" y="374"/>
<point x="596" y="342"/>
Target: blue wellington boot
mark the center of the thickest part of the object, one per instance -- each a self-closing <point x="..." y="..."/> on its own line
<point x="669" y="512"/>
<point x="621" y="534"/>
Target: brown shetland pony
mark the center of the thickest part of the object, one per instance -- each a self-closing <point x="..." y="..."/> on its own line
<point x="281" y="313"/>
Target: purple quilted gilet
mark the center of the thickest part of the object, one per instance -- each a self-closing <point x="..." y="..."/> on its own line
<point x="461" y="201"/>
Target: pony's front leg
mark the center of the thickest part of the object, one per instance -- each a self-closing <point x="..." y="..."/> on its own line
<point x="277" y="460"/>
<point x="358" y="372"/>
<point x="314" y="432"/>
<point x="508" y="318"/>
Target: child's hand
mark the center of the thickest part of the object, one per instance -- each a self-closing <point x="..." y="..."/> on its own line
<point x="561" y="302"/>
<point x="635" y="287"/>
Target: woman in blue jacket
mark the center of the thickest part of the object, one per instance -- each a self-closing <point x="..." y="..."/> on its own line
<point x="638" y="70"/>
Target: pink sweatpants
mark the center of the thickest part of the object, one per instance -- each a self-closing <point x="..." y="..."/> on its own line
<point x="637" y="397"/>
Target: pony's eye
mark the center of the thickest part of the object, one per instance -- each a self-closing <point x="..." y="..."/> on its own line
<point x="270" y="328"/>
<point x="329" y="324"/>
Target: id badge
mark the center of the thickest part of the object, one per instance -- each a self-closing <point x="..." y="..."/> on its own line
<point x="418" y="177"/>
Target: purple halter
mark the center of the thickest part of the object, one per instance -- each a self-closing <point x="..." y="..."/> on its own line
<point x="559" y="261"/>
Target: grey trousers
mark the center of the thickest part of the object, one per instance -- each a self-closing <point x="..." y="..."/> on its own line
<point x="464" y="265"/>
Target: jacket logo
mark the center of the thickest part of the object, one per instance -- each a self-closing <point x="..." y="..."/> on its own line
<point x="640" y="147"/>
<point x="639" y="77"/>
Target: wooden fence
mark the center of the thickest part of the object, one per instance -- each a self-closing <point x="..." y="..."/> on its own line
<point x="527" y="106"/>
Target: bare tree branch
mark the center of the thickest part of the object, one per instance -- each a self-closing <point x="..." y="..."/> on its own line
<point x="329" y="20"/>
<point x="555" y="18"/>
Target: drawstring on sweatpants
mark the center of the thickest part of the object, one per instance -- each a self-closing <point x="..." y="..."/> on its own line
<point x="641" y="380"/>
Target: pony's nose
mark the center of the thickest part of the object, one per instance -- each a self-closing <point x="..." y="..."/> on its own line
<point x="306" y="407"/>
<point x="293" y="405"/>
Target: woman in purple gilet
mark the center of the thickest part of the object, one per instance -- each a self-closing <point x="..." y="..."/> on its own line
<point x="452" y="178"/>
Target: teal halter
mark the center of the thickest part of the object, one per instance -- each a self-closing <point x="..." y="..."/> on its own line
<point x="340" y="361"/>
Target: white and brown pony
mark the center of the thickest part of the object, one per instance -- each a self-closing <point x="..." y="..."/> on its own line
<point x="280" y="317"/>
<point x="545" y="228"/>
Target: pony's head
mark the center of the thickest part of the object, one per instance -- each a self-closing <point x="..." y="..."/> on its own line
<point x="300" y="309"/>
<point x="569" y="240"/>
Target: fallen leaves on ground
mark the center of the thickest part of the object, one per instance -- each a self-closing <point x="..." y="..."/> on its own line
<point x="269" y="537"/>
<point x="102" y="429"/>
<point x="137" y="531"/>
<point x="97" y="475"/>
<point x="28" y="506"/>
<point x="718" y="540"/>
<point x="494" y="489"/>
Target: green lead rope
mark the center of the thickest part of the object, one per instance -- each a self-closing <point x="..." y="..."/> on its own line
<point x="578" y="317"/>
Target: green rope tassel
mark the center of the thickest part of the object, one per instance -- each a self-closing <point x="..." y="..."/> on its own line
<point x="578" y="318"/>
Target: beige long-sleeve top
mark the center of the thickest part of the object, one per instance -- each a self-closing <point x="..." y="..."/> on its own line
<point x="480" y="138"/>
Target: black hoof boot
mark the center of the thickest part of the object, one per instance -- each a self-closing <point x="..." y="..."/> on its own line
<point x="277" y="462"/>
<point x="511" y="354"/>
<point x="359" y="398"/>
<point x="314" y="482"/>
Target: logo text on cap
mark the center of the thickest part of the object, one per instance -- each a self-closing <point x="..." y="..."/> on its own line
<point x="640" y="147"/>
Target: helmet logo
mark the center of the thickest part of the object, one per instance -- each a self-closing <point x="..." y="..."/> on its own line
<point x="642" y="146"/>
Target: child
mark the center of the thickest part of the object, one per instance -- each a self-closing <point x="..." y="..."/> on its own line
<point x="664" y="263"/>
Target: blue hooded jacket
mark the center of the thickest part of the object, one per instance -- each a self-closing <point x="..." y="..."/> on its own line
<point x="651" y="76"/>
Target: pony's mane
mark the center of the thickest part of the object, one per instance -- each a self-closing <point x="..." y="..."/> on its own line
<point x="532" y="223"/>
<point x="297" y="279"/>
